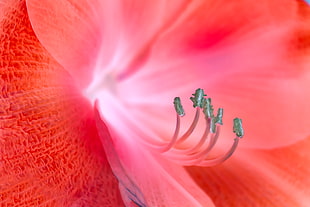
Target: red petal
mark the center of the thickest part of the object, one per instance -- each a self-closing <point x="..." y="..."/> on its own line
<point x="252" y="62"/>
<point x="145" y="177"/>
<point x="50" y="153"/>
<point x="249" y="64"/>
<point x="98" y="35"/>
<point x="273" y="178"/>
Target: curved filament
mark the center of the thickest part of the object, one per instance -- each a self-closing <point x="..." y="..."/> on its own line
<point x="191" y="128"/>
<point x="221" y="159"/>
<point x="193" y="159"/>
<point x="202" y="140"/>
<point x="175" y="136"/>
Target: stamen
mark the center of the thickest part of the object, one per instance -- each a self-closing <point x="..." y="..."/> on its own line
<point x="221" y="159"/>
<point x="175" y="135"/>
<point x="208" y="108"/>
<point x="237" y="128"/>
<point x="198" y="98"/>
<point x="197" y="154"/>
<point x="178" y="106"/>
<point x="208" y="128"/>
<point x="212" y="124"/>
<point x="219" y="116"/>
<point x="202" y="140"/>
<point x="213" y="140"/>
<point x="191" y="128"/>
<point x="196" y="158"/>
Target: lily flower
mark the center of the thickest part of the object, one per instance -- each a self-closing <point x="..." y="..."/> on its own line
<point x="87" y="94"/>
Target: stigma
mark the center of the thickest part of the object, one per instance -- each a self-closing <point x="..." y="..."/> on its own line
<point x="198" y="153"/>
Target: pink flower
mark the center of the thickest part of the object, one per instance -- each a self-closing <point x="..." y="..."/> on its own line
<point x="87" y="90"/>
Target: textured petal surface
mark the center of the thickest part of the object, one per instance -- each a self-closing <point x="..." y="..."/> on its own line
<point x="50" y="153"/>
<point x="254" y="64"/>
<point x="271" y="178"/>
<point x="147" y="179"/>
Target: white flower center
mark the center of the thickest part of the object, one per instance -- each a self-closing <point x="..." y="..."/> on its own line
<point x="101" y="84"/>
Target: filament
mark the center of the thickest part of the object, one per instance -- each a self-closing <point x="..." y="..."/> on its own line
<point x="195" y="155"/>
<point x="195" y="158"/>
<point x="191" y="128"/>
<point x="202" y="140"/>
<point x="221" y="159"/>
<point x="175" y="136"/>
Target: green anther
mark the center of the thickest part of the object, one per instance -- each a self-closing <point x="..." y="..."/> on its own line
<point x="212" y="125"/>
<point x="219" y="116"/>
<point x="178" y="106"/>
<point x="208" y="108"/>
<point x="198" y="98"/>
<point x="238" y="130"/>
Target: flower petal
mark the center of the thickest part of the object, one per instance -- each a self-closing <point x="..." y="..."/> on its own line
<point x="254" y="66"/>
<point x="278" y="177"/>
<point x="50" y="153"/>
<point x="99" y="34"/>
<point x="68" y="33"/>
<point x="145" y="177"/>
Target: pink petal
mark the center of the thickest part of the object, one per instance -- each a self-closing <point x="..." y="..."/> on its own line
<point x="50" y="153"/>
<point x="99" y="35"/>
<point x="145" y="177"/>
<point x="278" y="177"/>
<point x="253" y="63"/>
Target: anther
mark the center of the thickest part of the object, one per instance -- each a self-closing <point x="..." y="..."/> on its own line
<point x="178" y="106"/>
<point x="219" y="116"/>
<point x="216" y="120"/>
<point x="207" y="108"/>
<point x="198" y="98"/>
<point x="237" y="128"/>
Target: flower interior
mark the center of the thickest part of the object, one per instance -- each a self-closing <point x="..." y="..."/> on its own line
<point x="198" y="154"/>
